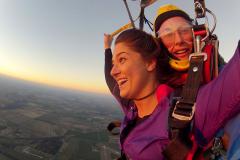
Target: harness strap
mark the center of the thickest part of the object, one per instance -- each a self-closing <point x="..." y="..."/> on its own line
<point x="208" y="74"/>
<point x="182" y="114"/>
<point x="215" y="43"/>
<point x="200" y="9"/>
<point x="211" y="64"/>
<point x="142" y="18"/>
<point x="194" y="79"/>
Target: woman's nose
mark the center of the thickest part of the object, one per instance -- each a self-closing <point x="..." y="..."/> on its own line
<point x="115" y="70"/>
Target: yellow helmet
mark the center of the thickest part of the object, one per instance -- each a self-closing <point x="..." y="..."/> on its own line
<point x="168" y="11"/>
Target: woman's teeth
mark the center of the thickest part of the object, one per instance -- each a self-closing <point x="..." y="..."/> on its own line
<point x="121" y="82"/>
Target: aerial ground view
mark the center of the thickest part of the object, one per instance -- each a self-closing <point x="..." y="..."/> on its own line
<point x="43" y="123"/>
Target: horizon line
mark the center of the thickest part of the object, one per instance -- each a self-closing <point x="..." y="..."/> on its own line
<point x="103" y="92"/>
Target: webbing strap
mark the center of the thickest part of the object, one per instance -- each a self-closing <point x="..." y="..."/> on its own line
<point x="200" y="9"/>
<point x="209" y="66"/>
<point x="190" y="89"/>
<point x="184" y="109"/>
<point x="180" y="118"/>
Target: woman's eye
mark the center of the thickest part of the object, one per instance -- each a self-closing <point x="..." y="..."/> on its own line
<point x="122" y="60"/>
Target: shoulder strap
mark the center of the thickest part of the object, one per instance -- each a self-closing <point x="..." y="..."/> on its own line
<point x="182" y="114"/>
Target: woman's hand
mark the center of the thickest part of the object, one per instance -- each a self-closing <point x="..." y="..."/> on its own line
<point x="107" y="41"/>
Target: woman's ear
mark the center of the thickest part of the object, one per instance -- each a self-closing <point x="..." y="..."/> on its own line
<point x="151" y="64"/>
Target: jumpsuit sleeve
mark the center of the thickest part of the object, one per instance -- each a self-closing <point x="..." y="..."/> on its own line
<point x="218" y="101"/>
<point x="111" y="83"/>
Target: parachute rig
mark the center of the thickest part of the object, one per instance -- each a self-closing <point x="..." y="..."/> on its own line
<point x="142" y="19"/>
<point x="202" y="67"/>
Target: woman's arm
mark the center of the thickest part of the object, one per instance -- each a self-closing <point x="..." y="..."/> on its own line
<point x="218" y="101"/>
<point x="111" y="82"/>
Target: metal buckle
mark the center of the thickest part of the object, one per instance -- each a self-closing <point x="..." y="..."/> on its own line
<point x="198" y="54"/>
<point x="182" y="117"/>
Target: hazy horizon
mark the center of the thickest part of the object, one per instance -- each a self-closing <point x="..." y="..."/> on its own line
<point x="30" y="83"/>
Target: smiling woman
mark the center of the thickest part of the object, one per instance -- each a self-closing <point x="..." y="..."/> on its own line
<point x="139" y="67"/>
<point x="134" y="65"/>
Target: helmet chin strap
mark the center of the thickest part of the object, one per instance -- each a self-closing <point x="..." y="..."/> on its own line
<point x="179" y="65"/>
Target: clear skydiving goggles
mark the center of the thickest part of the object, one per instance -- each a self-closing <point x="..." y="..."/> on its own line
<point x="168" y="35"/>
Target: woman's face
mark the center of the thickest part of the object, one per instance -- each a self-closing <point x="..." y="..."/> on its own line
<point x="176" y="34"/>
<point x="130" y="71"/>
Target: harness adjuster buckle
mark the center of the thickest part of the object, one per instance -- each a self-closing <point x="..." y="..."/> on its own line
<point x="198" y="55"/>
<point x="183" y="117"/>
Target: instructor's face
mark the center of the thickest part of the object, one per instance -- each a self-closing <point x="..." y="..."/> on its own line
<point x="176" y="34"/>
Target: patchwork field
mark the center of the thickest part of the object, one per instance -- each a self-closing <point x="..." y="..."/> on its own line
<point x="49" y="124"/>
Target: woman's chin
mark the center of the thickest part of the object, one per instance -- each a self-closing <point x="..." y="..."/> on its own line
<point x="124" y="95"/>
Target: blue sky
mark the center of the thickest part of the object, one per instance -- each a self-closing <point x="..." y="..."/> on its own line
<point x="60" y="42"/>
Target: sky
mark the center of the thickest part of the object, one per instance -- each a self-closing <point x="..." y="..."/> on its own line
<point x="60" y="42"/>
